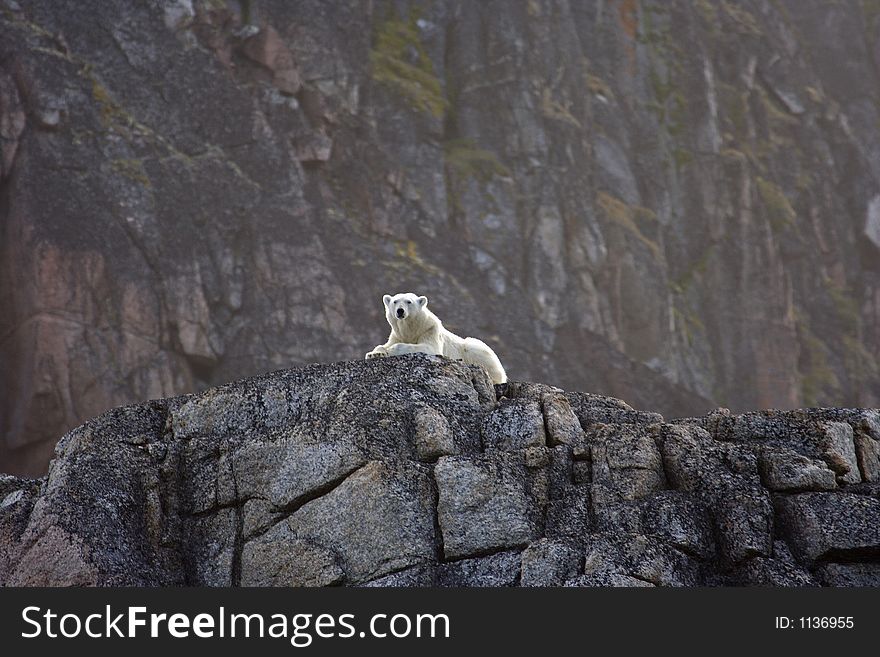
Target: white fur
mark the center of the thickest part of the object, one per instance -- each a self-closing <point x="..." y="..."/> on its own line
<point x="421" y="331"/>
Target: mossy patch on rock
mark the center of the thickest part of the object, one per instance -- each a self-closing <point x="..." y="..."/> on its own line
<point x="846" y="308"/>
<point x="741" y="19"/>
<point x="558" y="110"/>
<point x="684" y="282"/>
<point x="131" y="169"/>
<point x="598" y="86"/>
<point x="780" y="212"/>
<point x="689" y="323"/>
<point x="625" y="216"/>
<point x="468" y="160"/>
<point x="111" y="112"/>
<point x="818" y="380"/>
<point x="400" y="61"/>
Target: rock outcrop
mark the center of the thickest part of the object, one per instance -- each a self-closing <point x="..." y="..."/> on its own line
<point x="674" y="202"/>
<point x="416" y="471"/>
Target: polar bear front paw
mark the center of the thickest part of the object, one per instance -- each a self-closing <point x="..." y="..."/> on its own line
<point x="378" y="352"/>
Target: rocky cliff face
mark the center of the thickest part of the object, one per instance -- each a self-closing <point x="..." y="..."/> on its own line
<point x="414" y="470"/>
<point x="677" y="203"/>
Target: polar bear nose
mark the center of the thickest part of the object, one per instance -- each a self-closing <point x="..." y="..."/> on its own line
<point x="400" y="313"/>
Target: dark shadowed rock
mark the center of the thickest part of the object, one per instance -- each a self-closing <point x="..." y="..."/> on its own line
<point x="338" y="474"/>
<point x="646" y="558"/>
<point x="680" y="520"/>
<point x="625" y="460"/>
<point x="502" y="569"/>
<point x="569" y="516"/>
<point x="515" y="424"/>
<point x="779" y="570"/>
<point x="608" y="579"/>
<point x="423" y="575"/>
<point x="549" y="562"/>
<point x="828" y="526"/>
<point x="849" y="574"/>
<point x="722" y="476"/>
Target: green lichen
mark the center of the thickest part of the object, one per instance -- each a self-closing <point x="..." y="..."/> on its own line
<point x="735" y="102"/>
<point x="247" y="11"/>
<point x="858" y="363"/>
<point x="803" y="181"/>
<point x="684" y="282"/>
<point x="708" y="11"/>
<point x="846" y="308"/>
<point x="409" y="250"/>
<point x="818" y="380"/>
<point x="733" y="156"/>
<point x="682" y="312"/>
<point x="598" y="86"/>
<point x="668" y="101"/>
<point x="815" y="94"/>
<point x="682" y="157"/>
<point x="53" y="52"/>
<point x="131" y="169"/>
<point x="409" y="259"/>
<point x="114" y="117"/>
<point x="742" y="20"/>
<point x="625" y="216"/>
<point x="871" y="10"/>
<point x="558" y="110"/>
<point x="400" y="61"/>
<point x="689" y="322"/>
<point x="643" y="215"/>
<point x="110" y="111"/>
<point x="780" y="213"/>
<point x="669" y="105"/>
<point x="467" y="160"/>
<point x="778" y="116"/>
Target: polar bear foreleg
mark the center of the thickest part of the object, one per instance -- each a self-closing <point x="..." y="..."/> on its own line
<point x="401" y="348"/>
<point x="379" y="352"/>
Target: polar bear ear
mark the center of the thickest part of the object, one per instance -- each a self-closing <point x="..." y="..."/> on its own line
<point x="386" y="300"/>
<point x="423" y="301"/>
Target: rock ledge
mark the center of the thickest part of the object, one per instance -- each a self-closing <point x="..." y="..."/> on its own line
<point x="415" y="471"/>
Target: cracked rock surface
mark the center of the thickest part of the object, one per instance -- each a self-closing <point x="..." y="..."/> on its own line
<point x="321" y="476"/>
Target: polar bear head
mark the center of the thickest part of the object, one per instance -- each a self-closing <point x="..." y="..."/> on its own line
<point x="401" y="307"/>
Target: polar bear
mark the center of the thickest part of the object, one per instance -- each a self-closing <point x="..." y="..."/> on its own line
<point x="415" y="329"/>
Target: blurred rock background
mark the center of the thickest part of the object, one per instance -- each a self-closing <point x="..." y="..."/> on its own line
<point x="675" y="203"/>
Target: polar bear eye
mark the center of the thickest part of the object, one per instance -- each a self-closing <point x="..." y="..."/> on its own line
<point x="408" y="302"/>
